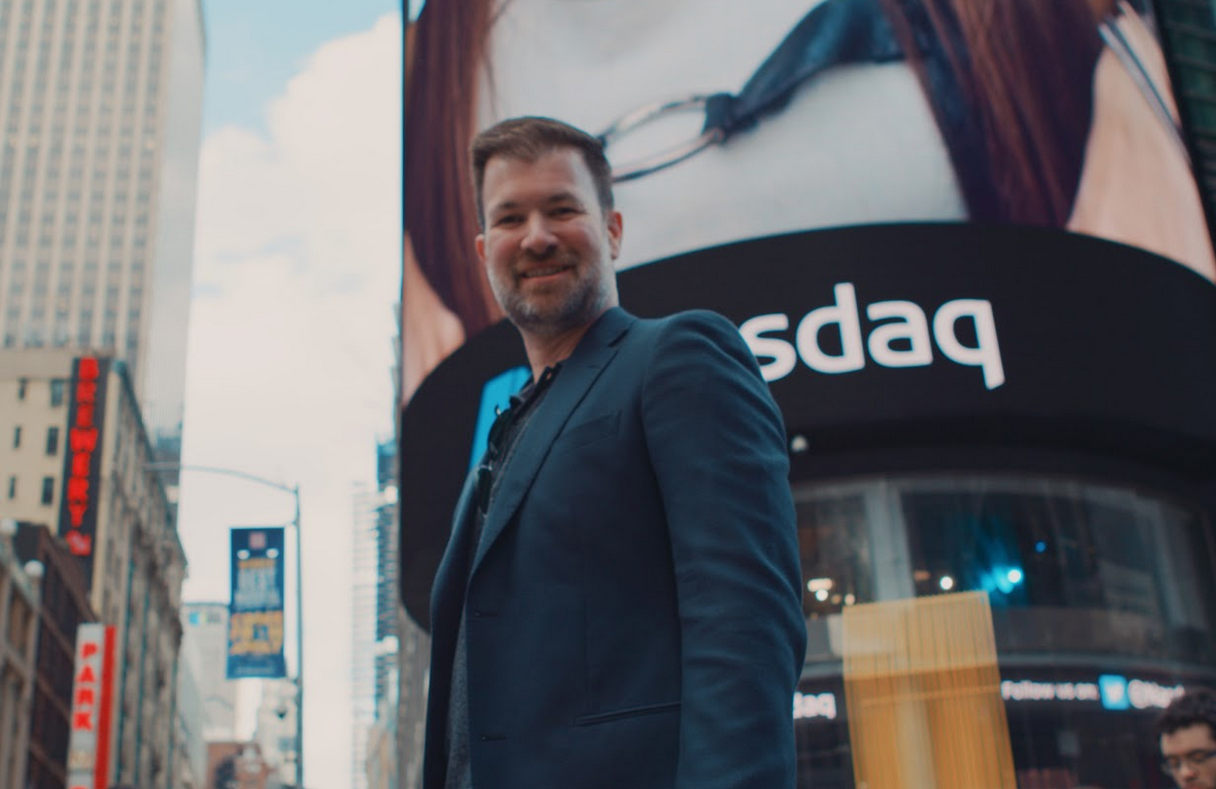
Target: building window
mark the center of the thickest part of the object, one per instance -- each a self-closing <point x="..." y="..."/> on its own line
<point x="48" y="490"/>
<point x="22" y="385"/>
<point x="52" y="441"/>
<point x="17" y="437"/>
<point x="57" y="392"/>
<point x="12" y="487"/>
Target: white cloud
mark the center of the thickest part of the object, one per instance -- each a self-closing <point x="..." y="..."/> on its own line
<point x="296" y="272"/>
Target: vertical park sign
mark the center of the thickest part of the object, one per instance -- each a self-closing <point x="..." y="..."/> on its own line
<point x="92" y="708"/>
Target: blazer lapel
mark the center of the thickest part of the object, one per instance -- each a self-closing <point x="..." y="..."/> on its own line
<point x="572" y="383"/>
<point x="448" y="588"/>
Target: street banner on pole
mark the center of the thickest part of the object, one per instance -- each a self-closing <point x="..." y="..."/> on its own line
<point x="255" y="613"/>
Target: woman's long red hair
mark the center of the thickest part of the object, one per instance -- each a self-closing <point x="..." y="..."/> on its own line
<point x="1025" y="71"/>
<point x="445" y="56"/>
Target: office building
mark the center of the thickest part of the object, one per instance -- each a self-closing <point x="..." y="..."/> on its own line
<point x="381" y="757"/>
<point x="414" y="660"/>
<point x="374" y="618"/>
<point x="363" y="629"/>
<point x="275" y="735"/>
<point x="205" y="628"/>
<point x="19" y="607"/>
<point x="65" y="606"/>
<point x="83" y="473"/>
<point x="1189" y="30"/>
<point x="189" y="756"/>
<point x="387" y="599"/>
<point x="100" y="110"/>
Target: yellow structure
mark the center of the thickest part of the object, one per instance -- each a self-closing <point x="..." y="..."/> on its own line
<point x="923" y="694"/>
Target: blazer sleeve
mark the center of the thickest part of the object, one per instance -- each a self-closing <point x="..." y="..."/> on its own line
<point x="718" y="448"/>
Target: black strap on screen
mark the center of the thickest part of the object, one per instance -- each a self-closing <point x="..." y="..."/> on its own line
<point x="849" y="32"/>
<point x="834" y="33"/>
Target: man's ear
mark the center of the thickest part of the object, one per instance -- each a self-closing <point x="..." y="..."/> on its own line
<point x="480" y="243"/>
<point x="616" y="229"/>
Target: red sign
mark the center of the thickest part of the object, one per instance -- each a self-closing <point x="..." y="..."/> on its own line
<point x="92" y="705"/>
<point x="77" y="521"/>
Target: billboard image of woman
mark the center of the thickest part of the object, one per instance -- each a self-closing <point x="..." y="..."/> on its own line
<point x="1013" y="112"/>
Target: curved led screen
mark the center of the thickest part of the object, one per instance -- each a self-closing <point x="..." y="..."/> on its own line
<point x="936" y="222"/>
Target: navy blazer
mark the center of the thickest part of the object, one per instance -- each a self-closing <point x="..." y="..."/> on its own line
<point x="633" y="610"/>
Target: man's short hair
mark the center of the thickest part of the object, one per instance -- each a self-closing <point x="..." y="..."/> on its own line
<point x="530" y="138"/>
<point x="1196" y="706"/>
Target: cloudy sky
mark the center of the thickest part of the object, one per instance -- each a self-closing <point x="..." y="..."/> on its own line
<point x="297" y="267"/>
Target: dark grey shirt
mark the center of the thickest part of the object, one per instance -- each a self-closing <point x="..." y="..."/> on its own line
<point x="504" y="437"/>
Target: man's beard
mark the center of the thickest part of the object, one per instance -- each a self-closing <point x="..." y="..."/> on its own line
<point x="582" y="302"/>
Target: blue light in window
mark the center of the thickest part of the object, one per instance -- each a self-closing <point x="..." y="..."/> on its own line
<point x="1002" y="579"/>
<point x="1113" y="688"/>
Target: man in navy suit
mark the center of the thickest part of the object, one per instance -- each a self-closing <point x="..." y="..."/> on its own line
<point x="619" y="606"/>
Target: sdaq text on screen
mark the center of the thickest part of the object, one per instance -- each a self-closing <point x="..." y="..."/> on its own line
<point x="901" y="337"/>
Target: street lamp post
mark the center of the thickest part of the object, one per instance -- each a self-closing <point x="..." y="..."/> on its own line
<point x="294" y="490"/>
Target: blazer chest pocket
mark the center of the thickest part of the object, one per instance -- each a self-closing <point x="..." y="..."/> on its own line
<point x="591" y="430"/>
<point x="630" y="712"/>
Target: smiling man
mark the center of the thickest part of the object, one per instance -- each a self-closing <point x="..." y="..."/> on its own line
<point x="549" y="242"/>
<point x="1188" y="739"/>
<point x="619" y="603"/>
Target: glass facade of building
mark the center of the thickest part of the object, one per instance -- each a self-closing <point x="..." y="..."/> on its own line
<point x="1189" y="31"/>
<point x="1102" y="601"/>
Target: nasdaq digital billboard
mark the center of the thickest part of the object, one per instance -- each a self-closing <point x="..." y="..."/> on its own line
<point x="936" y="222"/>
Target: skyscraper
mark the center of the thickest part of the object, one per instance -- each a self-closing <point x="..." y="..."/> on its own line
<point x="1189" y="30"/>
<point x="100" y="108"/>
<point x="387" y="599"/>
<point x="206" y="637"/>
<point x="363" y="630"/>
<point x="374" y="641"/>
